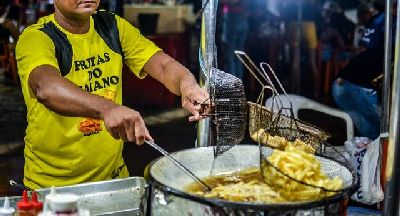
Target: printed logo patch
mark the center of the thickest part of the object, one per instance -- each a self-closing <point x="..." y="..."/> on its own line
<point x="90" y="126"/>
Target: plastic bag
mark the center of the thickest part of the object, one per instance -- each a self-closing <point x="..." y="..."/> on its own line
<point x="364" y="157"/>
<point x="357" y="148"/>
<point x="370" y="177"/>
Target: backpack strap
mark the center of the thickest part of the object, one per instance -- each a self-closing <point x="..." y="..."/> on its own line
<point x="63" y="47"/>
<point x="105" y="25"/>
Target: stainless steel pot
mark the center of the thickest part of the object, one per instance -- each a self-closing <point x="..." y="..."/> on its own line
<point x="168" y="184"/>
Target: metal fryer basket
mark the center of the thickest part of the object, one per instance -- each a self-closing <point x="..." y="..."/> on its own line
<point x="229" y="116"/>
<point x="261" y="117"/>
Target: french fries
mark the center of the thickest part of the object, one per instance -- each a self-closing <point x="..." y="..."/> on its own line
<point x="303" y="167"/>
<point x="254" y="191"/>
<point x="279" y="142"/>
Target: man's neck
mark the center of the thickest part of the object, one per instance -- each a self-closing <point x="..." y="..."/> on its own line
<point x="75" y="26"/>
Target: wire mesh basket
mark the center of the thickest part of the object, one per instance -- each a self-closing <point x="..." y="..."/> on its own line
<point x="300" y="167"/>
<point x="228" y="110"/>
<point x="319" y="186"/>
<point x="261" y="117"/>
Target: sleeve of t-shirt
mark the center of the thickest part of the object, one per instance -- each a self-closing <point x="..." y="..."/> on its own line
<point x="34" y="48"/>
<point x="137" y="49"/>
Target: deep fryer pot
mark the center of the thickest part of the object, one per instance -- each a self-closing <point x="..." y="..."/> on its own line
<point x="167" y="181"/>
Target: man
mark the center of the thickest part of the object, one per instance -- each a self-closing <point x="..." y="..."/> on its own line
<point x="9" y="21"/>
<point x="71" y="80"/>
<point x="354" y="90"/>
<point x="308" y="36"/>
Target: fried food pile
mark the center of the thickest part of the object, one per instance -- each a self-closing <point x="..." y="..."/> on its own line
<point x="302" y="167"/>
<point x="254" y="191"/>
<point x="243" y="186"/>
<point x="279" y="142"/>
<point x="280" y="181"/>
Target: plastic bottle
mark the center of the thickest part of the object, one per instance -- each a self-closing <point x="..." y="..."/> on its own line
<point x="64" y="204"/>
<point x="50" y="195"/>
<point x="24" y="206"/>
<point x="7" y="210"/>
<point x="37" y="206"/>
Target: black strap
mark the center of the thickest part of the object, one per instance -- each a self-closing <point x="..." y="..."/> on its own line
<point x="63" y="47"/>
<point x="105" y="25"/>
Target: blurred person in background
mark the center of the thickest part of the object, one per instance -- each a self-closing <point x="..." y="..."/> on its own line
<point x="29" y="10"/>
<point x="337" y="32"/>
<point x="356" y="89"/>
<point x="308" y="39"/>
<point x="364" y="15"/>
<point x="235" y="27"/>
<point x="9" y="21"/>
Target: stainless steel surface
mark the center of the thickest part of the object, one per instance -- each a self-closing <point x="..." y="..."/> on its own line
<point x="392" y="189"/>
<point x="201" y="161"/>
<point x="207" y="59"/>
<point x="115" y="197"/>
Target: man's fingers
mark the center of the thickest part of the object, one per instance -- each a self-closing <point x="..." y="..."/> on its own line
<point x="130" y="132"/>
<point x="122" y="135"/>
<point x="114" y="132"/>
<point x="148" y="136"/>
<point x="140" y="131"/>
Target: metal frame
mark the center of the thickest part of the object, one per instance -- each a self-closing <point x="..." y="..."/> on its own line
<point x="207" y="59"/>
<point x="392" y="177"/>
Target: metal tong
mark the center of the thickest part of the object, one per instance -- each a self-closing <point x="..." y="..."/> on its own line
<point x="177" y="163"/>
<point x="23" y="187"/>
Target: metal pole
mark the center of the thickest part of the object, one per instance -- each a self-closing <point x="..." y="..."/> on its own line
<point x="298" y="48"/>
<point x="385" y="109"/>
<point x="392" y="190"/>
<point x="207" y="60"/>
<point x="387" y="67"/>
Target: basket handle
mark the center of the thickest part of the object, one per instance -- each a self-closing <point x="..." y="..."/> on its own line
<point x="262" y="66"/>
<point x="251" y="66"/>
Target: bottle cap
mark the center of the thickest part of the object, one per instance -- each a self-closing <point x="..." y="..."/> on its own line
<point x="38" y="206"/>
<point x="7" y="210"/>
<point x="24" y="203"/>
<point x="64" y="202"/>
<point x="51" y="194"/>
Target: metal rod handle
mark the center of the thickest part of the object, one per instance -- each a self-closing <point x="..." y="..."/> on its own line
<point x="177" y="163"/>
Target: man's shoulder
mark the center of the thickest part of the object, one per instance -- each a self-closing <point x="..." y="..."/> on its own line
<point x="33" y="36"/>
<point x="35" y="29"/>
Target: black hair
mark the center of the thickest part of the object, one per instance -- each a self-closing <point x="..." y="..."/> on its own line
<point x="362" y="8"/>
<point x="379" y="5"/>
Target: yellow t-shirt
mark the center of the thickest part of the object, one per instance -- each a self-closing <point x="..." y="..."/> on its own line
<point x="62" y="150"/>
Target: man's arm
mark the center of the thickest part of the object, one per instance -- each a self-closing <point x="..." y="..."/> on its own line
<point x="62" y="96"/>
<point x="179" y="80"/>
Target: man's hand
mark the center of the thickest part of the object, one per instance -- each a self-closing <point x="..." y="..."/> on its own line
<point x="197" y="101"/>
<point x="178" y="80"/>
<point x="126" y="124"/>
